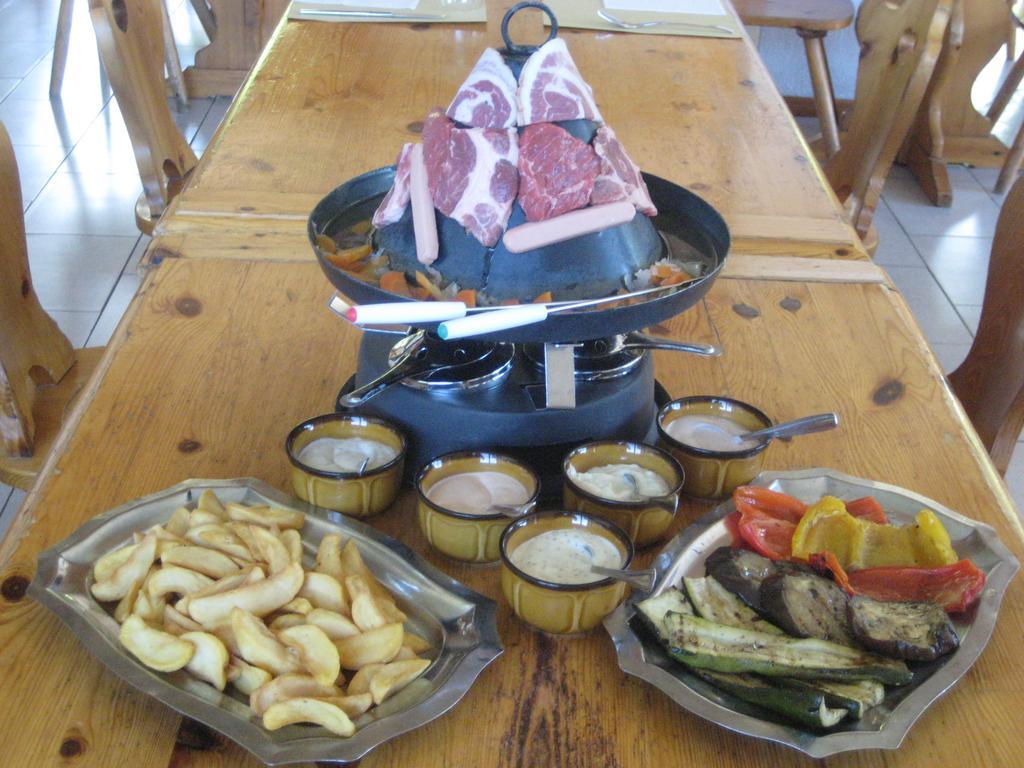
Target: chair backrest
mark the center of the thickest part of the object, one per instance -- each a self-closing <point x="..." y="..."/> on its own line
<point x="130" y="40"/>
<point x="990" y="382"/>
<point x="899" y="45"/>
<point x="32" y="348"/>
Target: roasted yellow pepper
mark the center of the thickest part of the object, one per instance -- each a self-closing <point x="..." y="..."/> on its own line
<point x="858" y="543"/>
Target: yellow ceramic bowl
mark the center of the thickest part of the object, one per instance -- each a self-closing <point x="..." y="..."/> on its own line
<point x="352" y="493"/>
<point x="714" y="474"/>
<point x="560" y="608"/>
<point x="472" y="538"/>
<point x="645" y="522"/>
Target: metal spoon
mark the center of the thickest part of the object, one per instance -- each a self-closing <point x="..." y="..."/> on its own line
<point x="642" y="579"/>
<point x="669" y="498"/>
<point x="807" y="425"/>
<point x="512" y="510"/>
<point x="362" y="467"/>
<point x="615" y="21"/>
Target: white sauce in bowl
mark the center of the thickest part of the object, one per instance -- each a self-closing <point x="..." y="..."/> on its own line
<point x="474" y="493"/>
<point x="564" y="556"/>
<point x="608" y="481"/>
<point x="712" y="433"/>
<point x="334" y="454"/>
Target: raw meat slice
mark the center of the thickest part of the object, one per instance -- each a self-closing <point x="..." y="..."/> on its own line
<point x="556" y="171"/>
<point x="472" y="174"/>
<point x="488" y="97"/>
<point x="552" y="89"/>
<point x="393" y="205"/>
<point x="620" y="177"/>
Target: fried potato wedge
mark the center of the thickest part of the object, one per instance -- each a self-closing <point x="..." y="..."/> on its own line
<point x="210" y="660"/>
<point x="367" y="613"/>
<point x="173" y="579"/>
<point x="178" y="623"/>
<point x="245" y="677"/>
<point x="352" y="705"/>
<point x="298" y="605"/>
<point x="317" y="652"/>
<point x="324" y="591"/>
<point x="208" y="562"/>
<point x="290" y="686"/>
<point x="269" y="548"/>
<point x="293" y="543"/>
<point x="328" y="557"/>
<point x="286" y="620"/>
<point x="376" y="646"/>
<point x="105" y="566"/>
<point x="335" y="625"/>
<point x="258" y="646"/>
<point x="307" y="710"/>
<point x="353" y="565"/>
<point x="127" y="603"/>
<point x="134" y="568"/>
<point x="415" y="643"/>
<point x="200" y="517"/>
<point x="220" y="538"/>
<point x="208" y="502"/>
<point x="266" y="516"/>
<point x="226" y="635"/>
<point x="178" y="522"/>
<point x="261" y="598"/>
<point x="394" y="677"/>
<point x="360" y="682"/>
<point x="156" y="649"/>
<point x="148" y="607"/>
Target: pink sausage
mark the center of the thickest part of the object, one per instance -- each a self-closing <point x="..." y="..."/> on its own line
<point x="424" y="224"/>
<point x="537" y="234"/>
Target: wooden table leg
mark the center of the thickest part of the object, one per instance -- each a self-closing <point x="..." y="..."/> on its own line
<point x="821" y="82"/>
<point x="171" y="57"/>
<point x="206" y="17"/>
<point x="60" y="45"/>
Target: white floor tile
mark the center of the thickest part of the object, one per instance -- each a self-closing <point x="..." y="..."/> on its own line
<point x="936" y="316"/>
<point x="105" y="147"/>
<point x="77" y="272"/>
<point x="74" y="203"/>
<point x="5" y="494"/>
<point x="191" y="118"/>
<point x="950" y="355"/>
<point x="36" y="164"/>
<point x="75" y="325"/>
<point x="17" y="57"/>
<point x="7" y="84"/>
<point x="973" y="213"/>
<point x="38" y="122"/>
<point x="211" y="123"/>
<point x="971" y="314"/>
<point x="960" y="264"/>
<point x="9" y="509"/>
<point x="894" y="247"/>
<point x="31" y="20"/>
<point x="123" y="293"/>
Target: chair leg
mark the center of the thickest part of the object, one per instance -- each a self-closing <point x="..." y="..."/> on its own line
<point x="206" y="17"/>
<point x="1011" y="166"/>
<point x="171" y="57"/>
<point x="821" y="82"/>
<point x="1006" y="91"/>
<point x="61" y="43"/>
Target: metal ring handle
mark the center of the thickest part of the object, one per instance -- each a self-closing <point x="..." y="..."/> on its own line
<point x="515" y="48"/>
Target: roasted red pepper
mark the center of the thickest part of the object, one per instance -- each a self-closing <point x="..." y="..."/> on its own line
<point x="954" y="587"/>
<point x="869" y="509"/>
<point x="778" y="505"/>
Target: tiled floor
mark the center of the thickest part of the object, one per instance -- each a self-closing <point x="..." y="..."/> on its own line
<point x="80" y="183"/>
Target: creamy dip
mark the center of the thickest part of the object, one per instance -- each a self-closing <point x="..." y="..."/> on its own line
<point x="333" y="454"/>
<point x="608" y="481"/>
<point x="474" y="493"/>
<point x="564" y="556"/>
<point x="712" y="433"/>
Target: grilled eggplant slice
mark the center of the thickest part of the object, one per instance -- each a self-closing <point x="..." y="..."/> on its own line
<point x="807" y="706"/>
<point x="715" y="603"/>
<point x="702" y="644"/>
<point x="741" y="571"/>
<point x="913" y="631"/>
<point x="806" y="605"/>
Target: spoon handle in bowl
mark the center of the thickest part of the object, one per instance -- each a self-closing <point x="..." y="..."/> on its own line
<point x="807" y="425"/>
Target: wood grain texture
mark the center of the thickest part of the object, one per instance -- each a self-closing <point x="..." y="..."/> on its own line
<point x="327" y="102"/>
<point x="231" y="354"/>
<point x="819" y="15"/>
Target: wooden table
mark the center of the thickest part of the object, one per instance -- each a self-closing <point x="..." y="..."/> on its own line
<point x="329" y="101"/>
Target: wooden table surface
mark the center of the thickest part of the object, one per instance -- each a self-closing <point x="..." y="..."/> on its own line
<point x="217" y="359"/>
<point x="329" y="101"/>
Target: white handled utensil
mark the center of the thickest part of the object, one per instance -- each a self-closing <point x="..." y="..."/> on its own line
<point x="405" y="312"/>
<point x="489" y="322"/>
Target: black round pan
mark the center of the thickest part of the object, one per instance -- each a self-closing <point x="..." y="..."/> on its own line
<point x="680" y="212"/>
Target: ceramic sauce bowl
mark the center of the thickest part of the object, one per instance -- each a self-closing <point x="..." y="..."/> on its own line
<point x="714" y="474"/>
<point x="359" y="494"/>
<point x="462" y="535"/>
<point x="644" y="521"/>
<point x="557" y="607"/>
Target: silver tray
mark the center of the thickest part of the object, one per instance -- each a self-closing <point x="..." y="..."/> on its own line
<point x="884" y="726"/>
<point x="454" y="619"/>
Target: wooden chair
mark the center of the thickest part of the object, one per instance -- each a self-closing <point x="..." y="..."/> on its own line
<point x="990" y="382"/>
<point x="900" y="43"/>
<point x="129" y="36"/>
<point x="33" y="351"/>
<point x="62" y="39"/>
<point x="1015" y="157"/>
<point x="812" y="20"/>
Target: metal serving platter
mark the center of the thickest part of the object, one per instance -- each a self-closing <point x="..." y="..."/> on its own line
<point x="457" y="621"/>
<point x="884" y="726"/>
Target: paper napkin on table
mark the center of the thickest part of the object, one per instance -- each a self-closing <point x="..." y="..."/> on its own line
<point x="699" y="7"/>
<point x="383" y="5"/>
